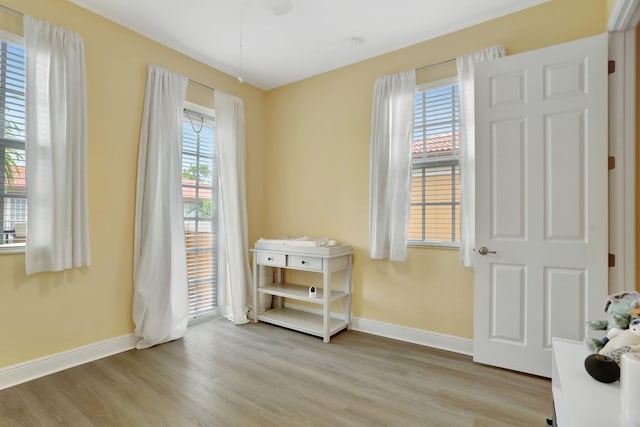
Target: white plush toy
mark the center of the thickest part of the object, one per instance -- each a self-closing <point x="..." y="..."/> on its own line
<point x="624" y="338"/>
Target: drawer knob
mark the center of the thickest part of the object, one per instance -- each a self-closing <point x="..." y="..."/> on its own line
<point x="269" y="259"/>
<point x="303" y="262"/>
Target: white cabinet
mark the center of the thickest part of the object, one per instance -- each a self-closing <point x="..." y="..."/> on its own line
<point x="321" y="259"/>
<point x="578" y="399"/>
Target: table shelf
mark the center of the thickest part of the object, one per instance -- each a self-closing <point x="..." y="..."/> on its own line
<point x="319" y="260"/>
<point x="302" y="321"/>
<point x="299" y="293"/>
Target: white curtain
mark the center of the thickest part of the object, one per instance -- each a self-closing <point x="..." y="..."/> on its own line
<point x="466" y="66"/>
<point x="390" y="165"/>
<point x="56" y="146"/>
<point x="160" y="301"/>
<point x="231" y="168"/>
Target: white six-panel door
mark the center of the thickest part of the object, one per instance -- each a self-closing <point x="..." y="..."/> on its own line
<point x="541" y="201"/>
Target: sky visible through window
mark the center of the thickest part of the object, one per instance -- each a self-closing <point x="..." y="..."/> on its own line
<point x="13" y="78"/>
<point x="437" y="122"/>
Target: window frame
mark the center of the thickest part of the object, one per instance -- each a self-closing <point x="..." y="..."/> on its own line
<point x="199" y="317"/>
<point x="452" y="161"/>
<point x="12" y="248"/>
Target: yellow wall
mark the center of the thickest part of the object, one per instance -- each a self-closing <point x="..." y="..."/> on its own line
<point x="49" y="313"/>
<point x="318" y="157"/>
<point x="307" y="163"/>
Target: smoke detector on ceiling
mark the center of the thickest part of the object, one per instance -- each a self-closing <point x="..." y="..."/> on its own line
<point x="280" y="7"/>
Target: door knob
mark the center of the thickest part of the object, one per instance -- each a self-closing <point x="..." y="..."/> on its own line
<point x="484" y="250"/>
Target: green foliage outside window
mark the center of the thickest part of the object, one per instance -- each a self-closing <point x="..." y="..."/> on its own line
<point x="201" y="173"/>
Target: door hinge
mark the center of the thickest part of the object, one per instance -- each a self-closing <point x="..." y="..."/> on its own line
<point x="612" y="67"/>
<point x="612" y="260"/>
<point x="612" y="162"/>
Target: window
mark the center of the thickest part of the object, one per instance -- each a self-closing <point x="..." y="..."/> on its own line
<point x="200" y="199"/>
<point x="435" y="177"/>
<point x="13" y="185"/>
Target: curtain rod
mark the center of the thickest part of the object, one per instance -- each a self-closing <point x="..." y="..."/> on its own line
<point x="8" y="9"/>
<point x="202" y="85"/>
<point x="426" y="67"/>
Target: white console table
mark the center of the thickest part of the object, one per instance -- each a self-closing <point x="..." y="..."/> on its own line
<point x="579" y="400"/>
<point x="321" y="259"/>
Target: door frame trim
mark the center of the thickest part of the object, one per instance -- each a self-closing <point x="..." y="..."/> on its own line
<point x="625" y="15"/>
<point x="621" y="27"/>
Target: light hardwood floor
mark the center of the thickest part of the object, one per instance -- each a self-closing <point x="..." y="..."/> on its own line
<point x="262" y="375"/>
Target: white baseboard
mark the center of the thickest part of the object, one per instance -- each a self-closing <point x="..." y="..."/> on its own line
<point x="36" y="368"/>
<point x="403" y="333"/>
<point x="416" y="336"/>
<point x="32" y="369"/>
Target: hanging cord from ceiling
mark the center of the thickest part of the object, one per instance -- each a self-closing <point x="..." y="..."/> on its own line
<point x="240" y="79"/>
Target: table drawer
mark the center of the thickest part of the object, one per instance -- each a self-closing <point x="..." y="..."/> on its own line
<point x="275" y="260"/>
<point x="304" y="262"/>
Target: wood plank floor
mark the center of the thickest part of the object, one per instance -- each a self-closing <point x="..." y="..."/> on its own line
<point x="262" y="375"/>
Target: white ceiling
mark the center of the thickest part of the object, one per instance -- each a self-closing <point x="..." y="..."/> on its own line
<point x="284" y="41"/>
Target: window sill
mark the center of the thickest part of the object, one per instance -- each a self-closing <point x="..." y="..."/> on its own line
<point x="435" y="245"/>
<point x="11" y="249"/>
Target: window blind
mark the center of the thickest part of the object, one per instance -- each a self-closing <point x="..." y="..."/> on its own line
<point x="200" y="200"/>
<point x="435" y="183"/>
<point x="13" y="185"/>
